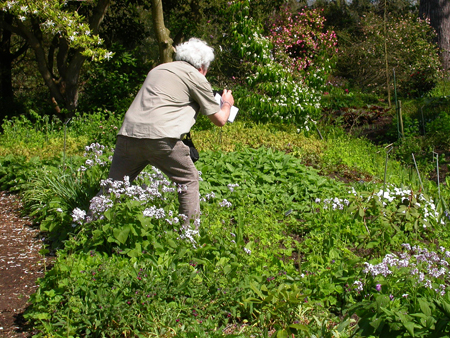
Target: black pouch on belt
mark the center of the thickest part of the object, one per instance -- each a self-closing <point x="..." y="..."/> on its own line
<point x="194" y="153"/>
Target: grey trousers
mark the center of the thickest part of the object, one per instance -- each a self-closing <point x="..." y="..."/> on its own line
<point x="171" y="156"/>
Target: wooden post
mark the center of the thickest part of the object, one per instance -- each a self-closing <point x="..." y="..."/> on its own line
<point x="400" y="117"/>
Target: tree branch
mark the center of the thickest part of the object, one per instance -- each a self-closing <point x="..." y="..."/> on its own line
<point x="41" y="61"/>
<point x="21" y="50"/>
<point x="15" y="30"/>
<point x="61" y="58"/>
<point x="99" y="15"/>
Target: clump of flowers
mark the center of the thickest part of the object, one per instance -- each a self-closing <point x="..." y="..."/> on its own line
<point x="300" y="40"/>
<point x="415" y="269"/>
<point x="277" y="92"/>
<point x="333" y="203"/>
<point x="95" y="156"/>
<point x="393" y="199"/>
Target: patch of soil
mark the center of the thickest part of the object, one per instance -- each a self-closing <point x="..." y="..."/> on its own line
<point x="20" y="266"/>
<point x="377" y="130"/>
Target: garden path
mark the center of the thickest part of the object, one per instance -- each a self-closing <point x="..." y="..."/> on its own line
<point x="20" y="265"/>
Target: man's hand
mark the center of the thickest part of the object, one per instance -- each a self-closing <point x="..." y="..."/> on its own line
<point x="220" y="118"/>
<point x="227" y="98"/>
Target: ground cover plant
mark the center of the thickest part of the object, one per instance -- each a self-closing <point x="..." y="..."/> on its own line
<point x="280" y="248"/>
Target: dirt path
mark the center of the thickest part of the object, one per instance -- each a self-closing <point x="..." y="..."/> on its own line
<point x="20" y="266"/>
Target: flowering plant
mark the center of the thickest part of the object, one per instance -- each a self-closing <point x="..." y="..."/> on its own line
<point x="53" y="17"/>
<point x="299" y="39"/>
<point x="275" y="91"/>
<point x="405" y="294"/>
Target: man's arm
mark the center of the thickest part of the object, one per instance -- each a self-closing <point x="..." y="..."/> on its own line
<point x="220" y="118"/>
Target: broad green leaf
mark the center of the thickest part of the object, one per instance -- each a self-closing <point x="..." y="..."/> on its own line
<point x="282" y="334"/>
<point x="122" y="234"/>
<point x="424" y="307"/>
<point x="410" y="327"/>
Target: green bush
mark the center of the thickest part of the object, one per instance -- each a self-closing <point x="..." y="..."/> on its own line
<point x="113" y="85"/>
<point x="439" y="131"/>
<point x="410" y="52"/>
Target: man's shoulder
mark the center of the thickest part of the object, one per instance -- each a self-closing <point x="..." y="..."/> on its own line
<point x="176" y="66"/>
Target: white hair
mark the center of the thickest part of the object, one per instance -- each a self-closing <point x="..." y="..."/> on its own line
<point x="196" y="52"/>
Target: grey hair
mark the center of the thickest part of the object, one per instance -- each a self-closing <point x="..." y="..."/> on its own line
<point x="196" y="52"/>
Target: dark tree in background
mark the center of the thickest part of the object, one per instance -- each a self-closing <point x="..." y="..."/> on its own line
<point x="438" y="12"/>
<point x="59" y="63"/>
<point x="9" y="51"/>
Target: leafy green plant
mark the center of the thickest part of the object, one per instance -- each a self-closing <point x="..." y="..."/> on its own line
<point x="405" y="295"/>
<point x="409" y="51"/>
<point x="272" y="92"/>
<point x="112" y="85"/>
<point x="278" y="249"/>
<point x="439" y="130"/>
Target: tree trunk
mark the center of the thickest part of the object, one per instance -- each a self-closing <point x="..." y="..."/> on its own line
<point x="6" y="61"/>
<point x="162" y="33"/>
<point x="438" y="12"/>
<point x="7" y="57"/>
<point x="70" y="73"/>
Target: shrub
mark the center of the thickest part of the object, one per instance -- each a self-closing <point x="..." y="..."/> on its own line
<point x="272" y="91"/>
<point x="439" y="131"/>
<point x="410" y="52"/>
<point x="299" y="39"/>
<point x="112" y="85"/>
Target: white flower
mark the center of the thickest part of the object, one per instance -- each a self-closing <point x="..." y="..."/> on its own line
<point x="10" y="4"/>
<point x="78" y="215"/>
<point x="108" y="55"/>
<point x="154" y="212"/>
<point x="49" y="23"/>
<point x="225" y="203"/>
<point x="359" y="285"/>
<point x="189" y="234"/>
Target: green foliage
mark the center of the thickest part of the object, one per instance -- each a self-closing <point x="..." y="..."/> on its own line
<point x="45" y="136"/>
<point x="338" y="95"/>
<point x="410" y="53"/>
<point x="405" y="295"/>
<point x="278" y="249"/>
<point x="439" y="131"/>
<point x="15" y="171"/>
<point x="272" y="92"/>
<point x="52" y="193"/>
<point x="366" y="158"/>
<point x="113" y="85"/>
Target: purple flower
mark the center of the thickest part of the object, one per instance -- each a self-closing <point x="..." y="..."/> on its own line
<point x="378" y="287"/>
